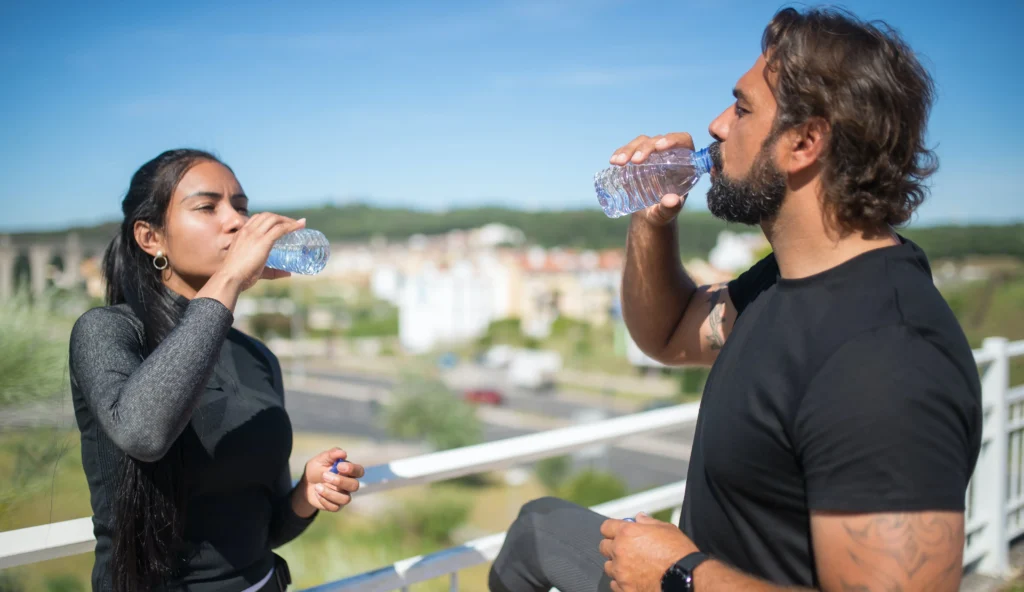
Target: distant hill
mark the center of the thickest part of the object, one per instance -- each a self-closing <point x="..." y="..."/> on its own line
<point x="588" y="229"/>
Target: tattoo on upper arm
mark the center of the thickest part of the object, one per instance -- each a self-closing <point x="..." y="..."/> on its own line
<point x="716" y="320"/>
<point x="917" y="551"/>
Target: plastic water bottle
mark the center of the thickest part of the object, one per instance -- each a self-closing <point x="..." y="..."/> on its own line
<point x="303" y="251"/>
<point x="626" y="189"/>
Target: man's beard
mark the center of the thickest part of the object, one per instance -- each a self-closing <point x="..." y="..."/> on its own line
<point x="751" y="200"/>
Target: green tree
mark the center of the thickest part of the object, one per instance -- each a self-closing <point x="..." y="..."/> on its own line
<point x="425" y="409"/>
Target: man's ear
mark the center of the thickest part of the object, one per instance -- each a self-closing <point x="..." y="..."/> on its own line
<point x="806" y="145"/>
<point x="150" y="240"/>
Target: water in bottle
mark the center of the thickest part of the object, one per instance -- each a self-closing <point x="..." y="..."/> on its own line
<point x="303" y="251"/>
<point x="626" y="189"/>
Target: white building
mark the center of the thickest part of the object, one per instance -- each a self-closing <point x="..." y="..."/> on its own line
<point x="438" y="306"/>
<point x="736" y="252"/>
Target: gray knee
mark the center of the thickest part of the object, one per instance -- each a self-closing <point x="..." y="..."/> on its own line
<point x="542" y="506"/>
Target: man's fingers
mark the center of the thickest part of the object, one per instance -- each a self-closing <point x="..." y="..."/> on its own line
<point x="624" y="154"/>
<point x="642" y="147"/>
<point x="642" y="518"/>
<point x="610" y="528"/>
<point x="605" y="548"/>
<point x="673" y="140"/>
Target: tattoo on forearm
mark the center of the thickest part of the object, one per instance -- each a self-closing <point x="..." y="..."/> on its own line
<point x="716" y="321"/>
<point x="904" y="551"/>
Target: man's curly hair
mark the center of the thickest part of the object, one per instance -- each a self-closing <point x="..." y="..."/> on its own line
<point x="867" y="84"/>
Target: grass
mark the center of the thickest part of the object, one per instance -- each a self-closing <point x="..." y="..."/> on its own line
<point x="989" y="308"/>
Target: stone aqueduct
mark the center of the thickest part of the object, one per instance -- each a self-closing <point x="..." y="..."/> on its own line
<point x="40" y="254"/>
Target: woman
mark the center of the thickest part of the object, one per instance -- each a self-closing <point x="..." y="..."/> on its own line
<point x="185" y="439"/>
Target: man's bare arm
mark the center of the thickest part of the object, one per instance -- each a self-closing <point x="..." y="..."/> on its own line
<point x="669" y="317"/>
<point x="898" y="552"/>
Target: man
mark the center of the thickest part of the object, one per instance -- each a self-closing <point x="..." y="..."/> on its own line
<point x="841" y="420"/>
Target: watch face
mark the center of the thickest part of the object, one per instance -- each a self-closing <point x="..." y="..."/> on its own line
<point x="677" y="579"/>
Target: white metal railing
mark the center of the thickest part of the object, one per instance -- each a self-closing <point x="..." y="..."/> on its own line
<point x="995" y="500"/>
<point x="995" y="497"/>
<point x="50" y="541"/>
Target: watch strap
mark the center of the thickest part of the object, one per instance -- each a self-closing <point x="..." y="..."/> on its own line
<point x="679" y="577"/>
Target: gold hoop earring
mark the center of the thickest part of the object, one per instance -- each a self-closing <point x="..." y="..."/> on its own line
<point x="157" y="263"/>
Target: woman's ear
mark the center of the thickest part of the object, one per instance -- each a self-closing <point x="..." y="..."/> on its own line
<point x="150" y="240"/>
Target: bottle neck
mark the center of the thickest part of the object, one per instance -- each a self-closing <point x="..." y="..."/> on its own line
<point x="702" y="161"/>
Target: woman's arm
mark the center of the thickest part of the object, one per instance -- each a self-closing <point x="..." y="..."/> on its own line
<point x="143" y="405"/>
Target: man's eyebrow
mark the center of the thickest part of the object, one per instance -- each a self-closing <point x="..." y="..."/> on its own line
<point x="740" y="95"/>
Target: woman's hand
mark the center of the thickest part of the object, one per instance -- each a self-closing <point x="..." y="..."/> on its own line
<point x="247" y="258"/>
<point x="246" y="261"/>
<point x="320" y="489"/>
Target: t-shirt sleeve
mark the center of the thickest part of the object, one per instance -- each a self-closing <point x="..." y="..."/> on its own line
<point x="749" y="284"/>
<point x="888" y="424"/>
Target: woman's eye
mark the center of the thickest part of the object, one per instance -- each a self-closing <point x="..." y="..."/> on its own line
<point x="244" y="211"/>
<point x="205" y="207"/>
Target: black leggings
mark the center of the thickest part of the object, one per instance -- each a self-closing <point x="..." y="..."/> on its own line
<point x="552" y="544"/>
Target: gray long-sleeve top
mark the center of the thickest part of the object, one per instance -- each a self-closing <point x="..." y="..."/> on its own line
<point x="217" y="390"/>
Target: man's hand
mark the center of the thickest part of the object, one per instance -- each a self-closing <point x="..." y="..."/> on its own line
<point x="640" y="553"/>
<point x="639" y="150"/>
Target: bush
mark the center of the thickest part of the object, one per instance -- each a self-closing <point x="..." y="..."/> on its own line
<point x="64" y="583"/>
<point x="270" y="324"/>
<point x="503" y="332"/>
<point x="10" y="582"/>
<point x="433" y="518"/>
<point x="424" y="409"/>
<point x="590" y="487"/>
<point x="553" y="471"/>
<point x="691" y="382"/>
<point x="33" y="352"/>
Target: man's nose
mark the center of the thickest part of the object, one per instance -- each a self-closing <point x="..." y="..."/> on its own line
<point x="719" y="128"/>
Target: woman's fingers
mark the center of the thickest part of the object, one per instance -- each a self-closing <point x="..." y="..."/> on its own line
<point x="330" y="499"/>
<point x="341" y="482"/>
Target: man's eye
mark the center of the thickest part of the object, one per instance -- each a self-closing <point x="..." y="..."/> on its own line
<point x="740" y="111"/>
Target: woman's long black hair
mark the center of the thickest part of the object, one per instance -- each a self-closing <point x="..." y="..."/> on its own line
<point x="149" y="504"/>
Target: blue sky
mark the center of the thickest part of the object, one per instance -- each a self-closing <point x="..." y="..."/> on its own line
<point x="440" y="104"/>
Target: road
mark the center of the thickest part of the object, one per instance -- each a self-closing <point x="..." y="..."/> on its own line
<point x="556" y="403"/>
<point x="642" y="461"/>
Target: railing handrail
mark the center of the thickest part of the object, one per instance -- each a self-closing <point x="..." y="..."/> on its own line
<point x="71" y="537"/>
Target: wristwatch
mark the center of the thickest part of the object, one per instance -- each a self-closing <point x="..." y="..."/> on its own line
<point x="679" y="577"/>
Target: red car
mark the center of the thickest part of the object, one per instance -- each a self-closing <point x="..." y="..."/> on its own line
<point x="486" y="396"/>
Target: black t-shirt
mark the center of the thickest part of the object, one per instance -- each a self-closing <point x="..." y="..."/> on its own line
<point x="853" y="390"/>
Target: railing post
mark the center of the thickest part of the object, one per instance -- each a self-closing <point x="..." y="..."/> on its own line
<point x="991" y="473"/>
